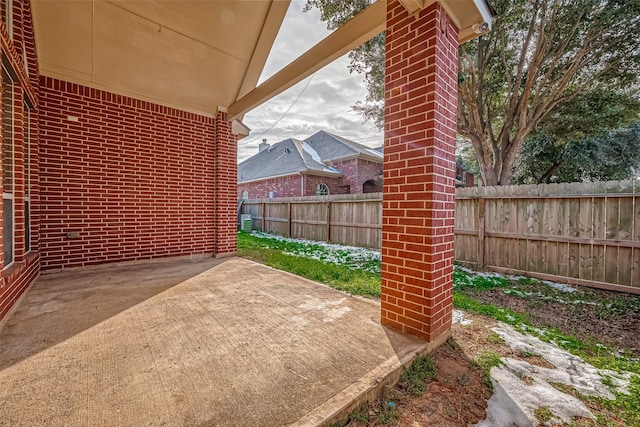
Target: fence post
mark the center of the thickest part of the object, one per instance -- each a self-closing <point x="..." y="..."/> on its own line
<point x="481" y="228"/>
<point x="289" y="218"/>
<point x="328" y="236"/>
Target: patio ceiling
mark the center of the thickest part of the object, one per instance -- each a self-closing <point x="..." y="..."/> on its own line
<point x="472" y="17"/>
<point x="198" y="55"/>
<point x="192" y="55"/>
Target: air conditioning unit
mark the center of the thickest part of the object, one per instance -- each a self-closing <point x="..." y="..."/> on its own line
<point x="245" y="223"/>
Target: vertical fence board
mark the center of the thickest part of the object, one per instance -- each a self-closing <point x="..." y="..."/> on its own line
<point x="552" y="229"/>
<point x="585" y="230"/>
<point x="635" y="264"/>
<point x="480" y="226"/>
<point x="635" y="279"/>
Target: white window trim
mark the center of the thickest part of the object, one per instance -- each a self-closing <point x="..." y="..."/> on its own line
<point x="322" y="184"/>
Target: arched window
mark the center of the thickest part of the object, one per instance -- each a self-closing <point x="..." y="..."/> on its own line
<point x="245" y="195"/>
<point x="322" y="190"/>
<point x="370" y="186"/>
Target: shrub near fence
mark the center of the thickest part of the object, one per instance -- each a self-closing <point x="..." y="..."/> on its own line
<point x="582" y="233"/>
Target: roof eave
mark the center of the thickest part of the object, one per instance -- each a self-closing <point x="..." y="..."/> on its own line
<point x="249" y="181"/>
<point x="354" y="156"/>
<point x="321" y="173"/>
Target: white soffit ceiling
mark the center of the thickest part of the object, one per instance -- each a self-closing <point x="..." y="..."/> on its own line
<point x="192" y="55"/>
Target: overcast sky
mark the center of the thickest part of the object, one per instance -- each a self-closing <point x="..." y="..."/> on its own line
<point x="324" y="104"/>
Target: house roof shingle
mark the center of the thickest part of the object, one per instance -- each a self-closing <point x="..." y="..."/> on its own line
<point x="331" y="147"/>
<point x="284" y="158"/>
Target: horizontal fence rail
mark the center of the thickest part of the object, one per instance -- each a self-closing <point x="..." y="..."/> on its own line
<point x="580" y="233"/>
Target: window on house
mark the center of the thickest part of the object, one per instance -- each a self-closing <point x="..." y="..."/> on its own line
<point x="7" y="15"/>
<point x="322" y="190"/>
<point x="27" y="178"/>
<point x="7" y="167"/>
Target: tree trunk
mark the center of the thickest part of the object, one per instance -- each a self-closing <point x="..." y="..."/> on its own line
<point x="489" y="177"/>
<point x="544" y="179"/>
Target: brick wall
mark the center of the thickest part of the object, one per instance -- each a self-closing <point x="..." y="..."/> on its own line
<point x="291" y="186"/>
<point x="284" y="186"/>
<point x="311" y="182"/>
<point x="17" y="276"/>
<point x="419" y="171"/>
<point x="349" y="169"/>
<point x="226" y="185"/>
<point x="369" y="171"/>
<point x="356" y="172"/>
<point x="123" y="179"/>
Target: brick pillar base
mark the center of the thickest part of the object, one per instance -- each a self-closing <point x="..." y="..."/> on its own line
<point x="226" y="187"/>
<point x="419" y="171"/>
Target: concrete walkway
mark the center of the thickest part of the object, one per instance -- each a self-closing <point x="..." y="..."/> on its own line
<point x="190" y="343"/>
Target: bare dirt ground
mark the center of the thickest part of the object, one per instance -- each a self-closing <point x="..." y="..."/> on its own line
<point x="458" y="395"/>
<point x="615" y="320"/>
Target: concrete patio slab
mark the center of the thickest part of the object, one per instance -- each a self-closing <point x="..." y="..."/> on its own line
<point x="191" y="343"/>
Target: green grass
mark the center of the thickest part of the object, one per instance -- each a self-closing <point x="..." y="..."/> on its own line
<point x="543" y="414"/>
<point x="487" y="360"/>
<point x="271" y="252"/>
<point x="495" y="338"/>
<point x="416" y="377"/>
<point x="463" y="280"/>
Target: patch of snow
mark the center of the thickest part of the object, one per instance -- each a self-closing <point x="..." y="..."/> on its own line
<point x="538" y="331"/>
<point x="570" y="369"/>
<point x="514" y="401"/>
<point x="517" y="293"/>
<point x="559" y="286"/>
<point x="313" y="153"/>
<point x="458" y="317"/>
<point x="350" y="256"/>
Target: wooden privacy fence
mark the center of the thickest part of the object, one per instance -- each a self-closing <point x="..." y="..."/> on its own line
<point x="582" y="233"/>
<point x="350" y="219"/>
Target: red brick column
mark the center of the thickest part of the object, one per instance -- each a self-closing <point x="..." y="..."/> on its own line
<point x="226" y="187"/>
<point x="419" y="171"/>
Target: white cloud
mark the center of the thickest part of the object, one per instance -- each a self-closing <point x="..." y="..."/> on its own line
<point x="325" y="103"/>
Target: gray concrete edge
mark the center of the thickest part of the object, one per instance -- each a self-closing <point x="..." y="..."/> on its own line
<point x="366" y="390"/>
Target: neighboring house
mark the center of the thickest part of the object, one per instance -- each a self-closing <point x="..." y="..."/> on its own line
<point x="322" y="164"/>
